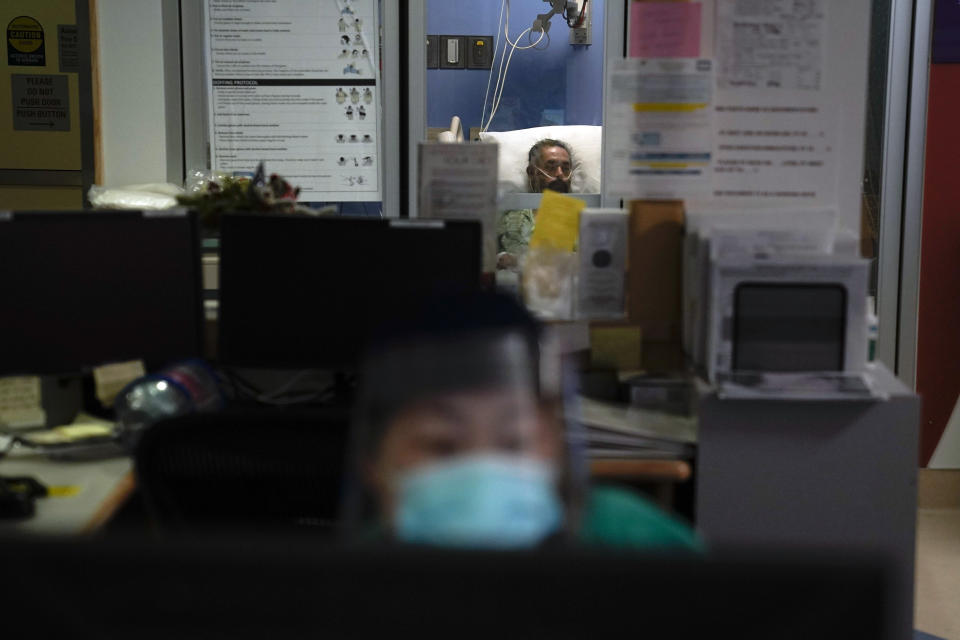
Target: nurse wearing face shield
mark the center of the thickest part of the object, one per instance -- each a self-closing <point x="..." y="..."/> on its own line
<point x="459" y="443"/>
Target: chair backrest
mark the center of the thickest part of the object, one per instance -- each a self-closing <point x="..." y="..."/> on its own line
<point x="252" y="468"/>
<point x="291" y="586"/>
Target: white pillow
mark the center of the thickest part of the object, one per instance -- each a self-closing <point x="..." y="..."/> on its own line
<point x="584" y="140"/>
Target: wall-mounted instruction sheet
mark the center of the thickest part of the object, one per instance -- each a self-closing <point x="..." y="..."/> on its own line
<point x="661" y="111"/>
<point x="776" y="118"/>
<point x="295" y="84"/>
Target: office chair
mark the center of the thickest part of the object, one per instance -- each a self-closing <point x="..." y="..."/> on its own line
<point x="249" y="469"/>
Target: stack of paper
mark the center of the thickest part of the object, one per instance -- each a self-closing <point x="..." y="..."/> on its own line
<point x="620" y="431"/>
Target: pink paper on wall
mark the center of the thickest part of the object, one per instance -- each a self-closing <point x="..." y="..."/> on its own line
<point x="664" y="29"/>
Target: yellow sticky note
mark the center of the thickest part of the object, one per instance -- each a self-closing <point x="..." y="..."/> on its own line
<point x="79" y="431"/>
<point x="70" y="433"/>
<point x="558" y="222"/>
<point x="616" y="347"/>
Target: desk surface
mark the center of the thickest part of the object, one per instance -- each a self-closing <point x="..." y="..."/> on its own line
<point x="639" y="469"/>
<point x="101" y="487"/>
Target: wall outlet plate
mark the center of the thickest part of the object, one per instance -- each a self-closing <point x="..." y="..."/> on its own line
<point x="581" y="36"/>
<point x="479" y="52"/>
<point x="453" y="52"/>
<point x="433" y="52"/>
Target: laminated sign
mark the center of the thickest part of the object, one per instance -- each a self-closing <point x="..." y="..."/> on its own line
<point x="40" y="102"/>
<point x="68" y="39"/>
<point x="25" y="43"/>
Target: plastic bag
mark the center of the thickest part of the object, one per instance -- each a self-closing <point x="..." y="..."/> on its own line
<point x="549" y="282"/>
<point x="135" y="196"/>
<point x="198" y="180"/>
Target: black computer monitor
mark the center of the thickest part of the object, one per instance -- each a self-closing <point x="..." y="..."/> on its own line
<point x="80" y="289"/>
<point x="306" y="292"/>
<point x="223" y="586"/>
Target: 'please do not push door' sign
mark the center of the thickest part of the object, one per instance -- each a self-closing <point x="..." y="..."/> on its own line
<point x="40" y="102"/>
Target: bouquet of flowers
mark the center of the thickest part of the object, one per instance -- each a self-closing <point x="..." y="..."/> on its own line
<point x="212" y="196"/>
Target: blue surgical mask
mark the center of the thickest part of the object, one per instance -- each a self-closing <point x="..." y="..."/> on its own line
<point x="482" y="501"/>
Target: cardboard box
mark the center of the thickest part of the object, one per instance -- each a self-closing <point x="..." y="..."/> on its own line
<point x="654" y="268"/>
<point x="663" y="357"/>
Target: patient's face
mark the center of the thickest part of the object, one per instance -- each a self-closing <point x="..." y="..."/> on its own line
<point x="553" y="171"/>
<point x="505" y="421"/>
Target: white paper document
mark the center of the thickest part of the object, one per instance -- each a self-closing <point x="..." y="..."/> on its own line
<point x="770" y="44"/>
<point x="661" y="130"/>
<point x="459" y="182"/>
<point x="811" y="386"/>
<point x="602" y="443"/>
<point x="651" y="426"/>
<point x="775" y="117"/>
<point x="21" y="403"/>
<point x="295" y="84"/>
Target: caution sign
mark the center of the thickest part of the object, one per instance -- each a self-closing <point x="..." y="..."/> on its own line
<point x="40" y="102"/>
<point x="25" y="46"/>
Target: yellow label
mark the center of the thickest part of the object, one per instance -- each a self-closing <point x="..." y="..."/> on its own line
<point x="65" y="491"/>
<point x="558" y="222"/>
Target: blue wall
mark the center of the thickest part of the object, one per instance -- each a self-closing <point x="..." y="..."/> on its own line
<point x="559" y="78"/>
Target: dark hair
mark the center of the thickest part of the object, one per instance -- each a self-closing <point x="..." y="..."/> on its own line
<point x="533" y="157"/>
<point x="443" y="315"/>
<point x="457" y="329"/>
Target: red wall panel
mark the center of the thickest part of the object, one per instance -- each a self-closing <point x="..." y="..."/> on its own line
<point x="938" y="340"/>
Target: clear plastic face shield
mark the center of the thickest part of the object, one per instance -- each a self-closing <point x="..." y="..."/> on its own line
<point x="457" y="444"/>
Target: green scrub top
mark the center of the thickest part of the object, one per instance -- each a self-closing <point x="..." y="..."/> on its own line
<point x="614" y="517"/>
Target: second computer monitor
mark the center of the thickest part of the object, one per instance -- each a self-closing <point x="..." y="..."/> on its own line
<point x="306" y="292"/>
<point x="84" y="288"/>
